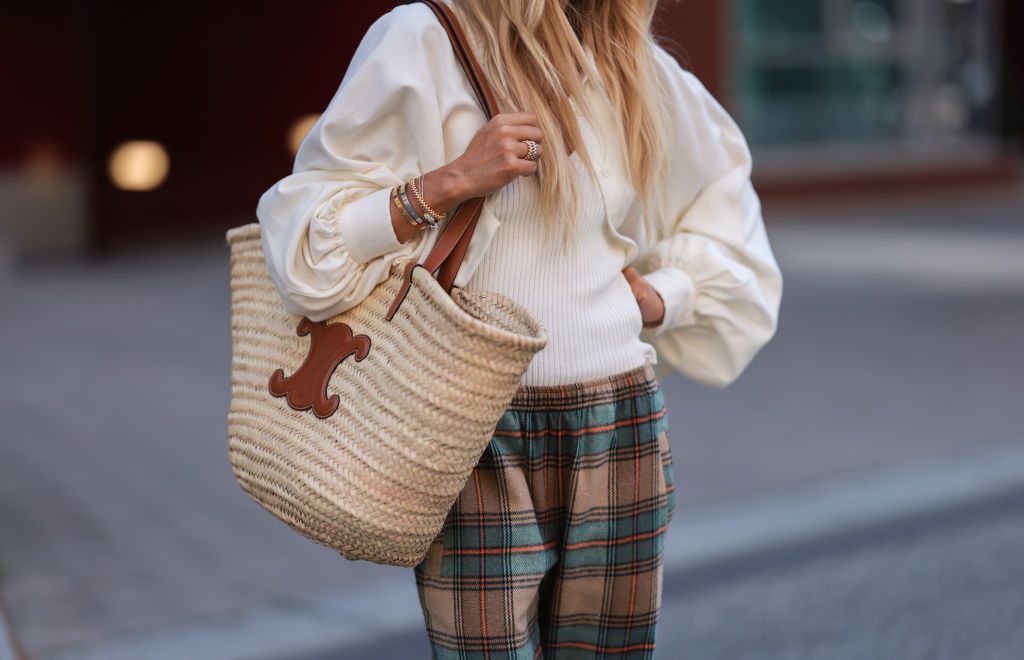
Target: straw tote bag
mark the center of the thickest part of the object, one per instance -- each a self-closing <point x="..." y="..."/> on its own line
<point x="360" y="431"/>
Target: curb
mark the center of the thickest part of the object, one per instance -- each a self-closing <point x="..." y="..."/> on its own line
<point x="843" y="508"/>
<point x="320" y="625"/>
<point x="9" y="647"/>
<point x="940" y="261"/>
<point x="706" y="543"/>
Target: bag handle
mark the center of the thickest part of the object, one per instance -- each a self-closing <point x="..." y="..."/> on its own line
<point x="451" y="246"/>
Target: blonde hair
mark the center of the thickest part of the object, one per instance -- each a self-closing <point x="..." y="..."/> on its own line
<point x="534" y="54"/>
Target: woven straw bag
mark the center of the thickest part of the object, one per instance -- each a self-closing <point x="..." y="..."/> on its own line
<point x="359" y="432"/>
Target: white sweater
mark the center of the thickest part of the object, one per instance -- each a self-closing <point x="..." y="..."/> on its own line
<point x="587" y="307"/>
<point x="405" y="107"/>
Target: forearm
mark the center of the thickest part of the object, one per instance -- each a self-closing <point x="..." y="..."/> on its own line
<point x="442" y="192"/>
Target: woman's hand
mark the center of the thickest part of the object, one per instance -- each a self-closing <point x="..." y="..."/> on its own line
<point x="652" y="307"/>
<point x="496" y="155"/>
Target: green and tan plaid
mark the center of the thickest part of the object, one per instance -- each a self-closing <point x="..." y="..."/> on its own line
<point x="554" y="547"/>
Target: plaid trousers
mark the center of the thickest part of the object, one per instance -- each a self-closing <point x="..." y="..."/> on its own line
<point x="554" y="547"/>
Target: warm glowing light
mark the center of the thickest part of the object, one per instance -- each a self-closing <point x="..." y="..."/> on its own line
<point x="299" y="130"/>
<point x="44" y="161"/>
<point x="139" y="165"/>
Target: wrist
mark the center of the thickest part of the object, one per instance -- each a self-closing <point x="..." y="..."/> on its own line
<point x="446" y="187"/>
<point x="661" y="317"/>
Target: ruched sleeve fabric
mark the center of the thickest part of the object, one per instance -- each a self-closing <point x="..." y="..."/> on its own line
<point x="712" y="264"/>
<point x="326" y="227"/>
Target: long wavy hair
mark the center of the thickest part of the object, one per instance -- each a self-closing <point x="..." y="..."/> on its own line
<point x="534" y="53"/>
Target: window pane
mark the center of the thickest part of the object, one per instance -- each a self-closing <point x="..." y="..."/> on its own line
<point x="863" y="71"/>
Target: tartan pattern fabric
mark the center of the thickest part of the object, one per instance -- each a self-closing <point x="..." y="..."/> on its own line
<point x="554" y="547"/>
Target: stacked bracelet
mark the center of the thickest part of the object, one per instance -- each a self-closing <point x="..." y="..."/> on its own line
<point x="428" y="219"/>
<point x="419" y="194"/>
<point x="405" y="214"/>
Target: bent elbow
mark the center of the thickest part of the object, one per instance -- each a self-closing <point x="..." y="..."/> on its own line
<point x="737" y="348"/>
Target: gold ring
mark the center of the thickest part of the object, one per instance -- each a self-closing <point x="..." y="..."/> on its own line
<point x="531" y="153"/>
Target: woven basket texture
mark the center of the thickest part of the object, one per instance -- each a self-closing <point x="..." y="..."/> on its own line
<point x="374" y="481"/>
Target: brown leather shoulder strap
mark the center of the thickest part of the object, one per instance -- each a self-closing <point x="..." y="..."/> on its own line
<point x="460" y="45"/>
<point x="451" y="246"/>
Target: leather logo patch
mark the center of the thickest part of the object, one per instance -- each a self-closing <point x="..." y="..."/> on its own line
<point x="329" y="345"/>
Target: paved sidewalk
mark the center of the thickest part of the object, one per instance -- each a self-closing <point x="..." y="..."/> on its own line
<point x="122" y="524"/>
<point x="9" y="649"/>
<point x="699" y="546"/>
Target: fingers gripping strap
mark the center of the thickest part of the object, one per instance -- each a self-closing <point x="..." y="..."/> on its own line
<point x="451" y="246"/>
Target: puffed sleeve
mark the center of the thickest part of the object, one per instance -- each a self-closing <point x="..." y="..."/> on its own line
<point x="712" y="263"/>
<point x="326" y="228"/>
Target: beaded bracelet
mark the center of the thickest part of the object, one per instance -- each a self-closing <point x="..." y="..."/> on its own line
<point x="418" y="191"/>
<point x="429" y="216"/>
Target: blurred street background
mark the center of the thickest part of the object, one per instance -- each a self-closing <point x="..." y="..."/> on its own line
<point x="857" y="494"/>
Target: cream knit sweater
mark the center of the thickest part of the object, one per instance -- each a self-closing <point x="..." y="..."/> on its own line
<point x="584" y="301"/>
<point x="404" y="107"/>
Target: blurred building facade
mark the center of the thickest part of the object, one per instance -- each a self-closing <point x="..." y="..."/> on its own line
<point x="836" y="92"/>
<point x="130" y="123"/>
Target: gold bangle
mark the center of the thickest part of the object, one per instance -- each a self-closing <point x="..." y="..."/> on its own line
<point x="405" y="214"/>
<point x="418" y="194"/>
<point x="403" y="195"/>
